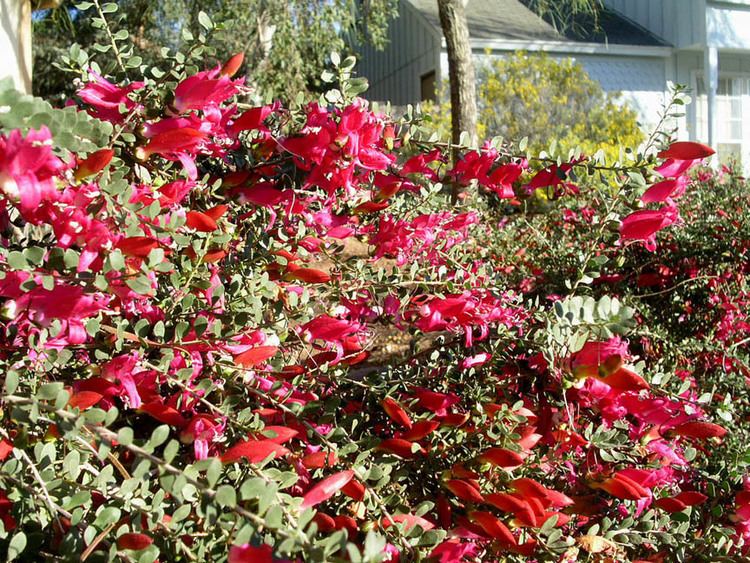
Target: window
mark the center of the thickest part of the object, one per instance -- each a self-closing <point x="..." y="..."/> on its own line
<point x="732" y="107"/>
<point x="428" y="87"/>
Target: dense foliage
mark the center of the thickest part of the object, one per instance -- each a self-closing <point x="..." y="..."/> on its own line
<point x="546" y="100"/>
<point x="259" y="333"/>
<point x="287" y="43"/>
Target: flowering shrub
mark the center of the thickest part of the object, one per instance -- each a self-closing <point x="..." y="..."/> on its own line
<point x="263" y="333"/>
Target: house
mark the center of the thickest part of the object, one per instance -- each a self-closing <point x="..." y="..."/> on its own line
<point x="643" y="45"/>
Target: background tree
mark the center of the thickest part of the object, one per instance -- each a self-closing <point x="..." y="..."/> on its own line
<point x="541" y="98"/>
<point x="286" y="42"/>
<point x="574" y="16"/>
<point x="460" y="71"/>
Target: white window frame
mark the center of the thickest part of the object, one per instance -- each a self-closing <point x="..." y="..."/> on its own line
<point x="700" y="108"/>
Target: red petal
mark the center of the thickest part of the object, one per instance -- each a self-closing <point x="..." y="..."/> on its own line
<point x="399" y="447"/>
<point x="319" y="459"/>
<point x="278" y="434"/>
<point x="691" y="498"/>
<point x="626" y="380"/>
<point x="326" y="488"/>
<point x="231" y="67"/>
<point x="134" y="541"/>
<point x="464" y="490"/>
<point x="163" y="413"/>
<point x="5" y="448"/>
<point x="698" y="429"/>
<point x="686" y="150"/>
<point x="137" y="246"/>
<point x="200" y="222"/>
<point x="217" y="211"/>
<point x="309" y="275"/>
<point x="94" y="163"/>
<point x="354" y="490"/>
<point x="254" y="451"/>
<point x="493" y="527"/>
<point x="396" y="412"/>
<point x="84" y="399"/>
<point x="256" y="355"/>
<point x="501" y="457"/>
<point x="421" y="429"/>
<point x="174" y="141"/>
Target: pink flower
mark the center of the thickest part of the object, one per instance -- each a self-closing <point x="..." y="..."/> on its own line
<point x="201" y="431"/>
<point x="105" y="98"/>
<point x="28" y="169"/>
<point x="477" y="360"/>
<point x="247" y="553"/>
<point x="665" y="190"/>
<point x="205" y="89"/>
<point x="644" y="224"/>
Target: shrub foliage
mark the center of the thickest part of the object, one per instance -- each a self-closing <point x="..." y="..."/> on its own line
<point x="264" y="333"/>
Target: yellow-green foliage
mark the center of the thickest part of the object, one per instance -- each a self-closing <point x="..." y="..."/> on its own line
<point x="546" y="99"/>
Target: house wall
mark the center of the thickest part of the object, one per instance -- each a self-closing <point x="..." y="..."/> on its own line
<point x="728" y="26"/>
<point x="681" y="23"/>
<point x="395" y="73"/>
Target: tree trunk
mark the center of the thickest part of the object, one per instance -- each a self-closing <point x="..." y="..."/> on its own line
<point x="460" y="73"/>
<point x="15" y="42"/>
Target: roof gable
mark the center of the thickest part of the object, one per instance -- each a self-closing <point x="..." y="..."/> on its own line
<point x="512" y="20"/>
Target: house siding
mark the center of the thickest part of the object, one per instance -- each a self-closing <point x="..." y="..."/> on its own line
<point x="681" y="23"/>
<point x="395" y="73"/>
<point x="728" y="27"/>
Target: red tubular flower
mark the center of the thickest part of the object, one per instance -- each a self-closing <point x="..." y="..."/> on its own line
<point x="501" y="457"/>
<point x="515" y="505"/>
<point x="278" y="434"/>
<point x="308" y="275"/>
<point x="256" y="355"/>
<point x="200" y="222"/>
<point x="644" y="224"/>
<point x="421" y="429"/>
<point x="698" y="429"/>
<point x="172" y="141"/>
<point x="464" y="490"/>
<point x="687" y="150"/>
<point x="400" y="447"/>
<point x="625" y="380"/>
<point x="493" y="527"/>
<point x="134" y="541"/>
<point x="666" y="189"/>
<point x="396" y="412"/>
<point x="163" y="413"/>
<point x="95" y="163"/>
<point x="5" y="507"/>
<point x="84" y="399"/>
<point x="320" y="459"/>
<point x="139" y="247"/>
<point x="247" y="553"/>
<point x="204" y="89"/>
<point x="623" y="487"/>
<point x="326" y="488"/>
<point x="232" y="66"/>
<point x="254" y="451"/>
<point x="355" y="490"/>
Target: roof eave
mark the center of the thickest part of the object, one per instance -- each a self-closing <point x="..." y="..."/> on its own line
<point x="568" y="47"/>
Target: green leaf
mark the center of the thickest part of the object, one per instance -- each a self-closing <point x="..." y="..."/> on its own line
<point x="17" y="546"/>
<point x="205" y="21"/>
<point x="226" y="496"/>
